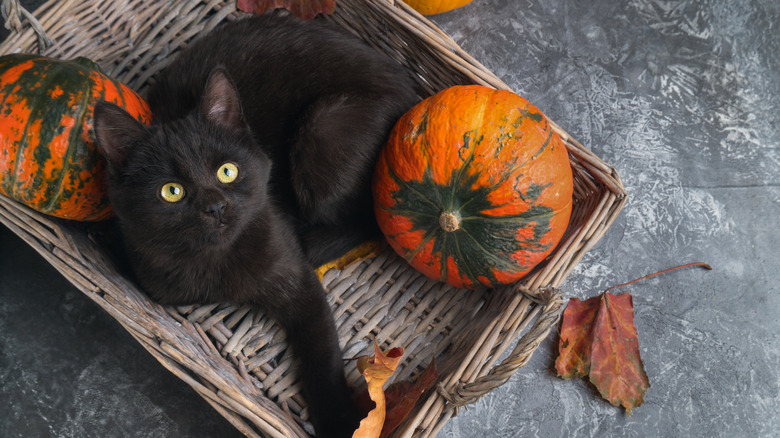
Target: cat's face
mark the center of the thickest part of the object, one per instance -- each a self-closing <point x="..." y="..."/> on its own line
<point x="189" y="185"/>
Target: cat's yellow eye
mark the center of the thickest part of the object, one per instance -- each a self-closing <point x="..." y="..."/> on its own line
<point x="227" y="173"/>
<point x="172" y="192"/>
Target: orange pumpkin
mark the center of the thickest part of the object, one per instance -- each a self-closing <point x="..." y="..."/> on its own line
<point x="473" y="187"/>
<point x="48" y="157"/>
<point x="430" y="7"/>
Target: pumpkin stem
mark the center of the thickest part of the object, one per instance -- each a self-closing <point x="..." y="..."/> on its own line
<point x="449" y="222"/>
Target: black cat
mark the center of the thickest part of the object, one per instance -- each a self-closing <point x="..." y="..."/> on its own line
<point x="255" y="169"/>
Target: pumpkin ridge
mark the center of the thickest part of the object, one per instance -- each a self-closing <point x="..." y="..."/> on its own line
<point x="10" y="183"/>
<point x="23" y="141"/>
<point x="538" y="217"/>
<point x="505" y="175"/>
<point x="120" y="91"/>
<point x="498" y="245"/>
<point x="428" y="235"/>
<point x="469" y="143"/>
<point x="541" y="149"/>
<point x="513" y="218"/>
<point x="442" y="198"/>
<point x="466" y="185"/>
<point x="444" y="256"/>
<point x="406" y="185"/>
<point x="515" y="267"/>
<point x="7" y="89"/>
<point x="465" y="204"/>
<point x="537" y="117"/>
<point x="15" y="61"/>
<point x="534" y="191"/>
<point x="446" y="248"/>
<point x="469" y="272"/>
<point x="420" y="128"/>
<point x="44" y="135"/>
<point x="44" y="75"/>
<point x="74" y="134"/>
<point x="456" y="179"/>
<point x="515" y="167"/>
<point x="568" y="206"/>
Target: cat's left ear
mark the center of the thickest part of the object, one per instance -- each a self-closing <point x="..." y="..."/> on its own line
<point x="220" y="103"/>
<point x="116" y="131"/>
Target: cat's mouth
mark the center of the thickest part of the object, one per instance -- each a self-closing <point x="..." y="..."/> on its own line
<point x="222" y="228"/>
<point x="220" y="233"/>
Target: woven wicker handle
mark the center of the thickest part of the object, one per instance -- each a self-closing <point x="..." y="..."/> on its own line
<point x="467" y="393"/>
<point x="13" y="12"/>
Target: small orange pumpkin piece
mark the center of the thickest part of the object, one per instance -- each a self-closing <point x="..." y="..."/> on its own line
<point x="48" y="157"/>
<point x="430" y="7"/>
<point x="473" y="187"/>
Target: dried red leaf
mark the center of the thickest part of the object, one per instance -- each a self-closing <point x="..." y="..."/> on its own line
<point x="576" y="338"/>
<point x="306" y="9"/>
<point x="598" y="338"/>
<point x="402" y="396"/>
<point x="616" y="366"/>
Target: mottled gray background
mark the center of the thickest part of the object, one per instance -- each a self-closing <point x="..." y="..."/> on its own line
<point x="681" y="96"/>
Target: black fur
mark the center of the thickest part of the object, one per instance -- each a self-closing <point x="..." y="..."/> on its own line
<point x="302" y="110"/>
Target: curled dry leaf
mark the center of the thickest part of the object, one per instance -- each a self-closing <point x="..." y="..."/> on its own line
<point x="306" y="9"/>
<point x="376" y="370"/>
<point x="361" y="252"/>
<point x="400" y="398"/>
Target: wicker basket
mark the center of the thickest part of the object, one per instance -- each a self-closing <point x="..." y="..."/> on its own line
<point x="236" y="359"/>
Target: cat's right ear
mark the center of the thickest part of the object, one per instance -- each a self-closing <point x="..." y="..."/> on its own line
<point x="115" y="130"/>
<point x="220" y="103"/>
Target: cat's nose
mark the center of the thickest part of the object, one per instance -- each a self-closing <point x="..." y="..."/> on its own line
<point x="216" y="210"/>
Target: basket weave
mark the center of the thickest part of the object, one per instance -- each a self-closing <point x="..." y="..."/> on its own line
<point x="237" y="359"/>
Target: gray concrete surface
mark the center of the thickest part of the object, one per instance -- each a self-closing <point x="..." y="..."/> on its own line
<point x="681" y="96"/>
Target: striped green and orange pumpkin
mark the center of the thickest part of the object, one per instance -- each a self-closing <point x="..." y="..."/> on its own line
<point x="48" y="156"/>
<point x="473" y="187"/>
